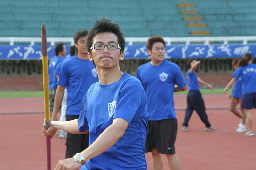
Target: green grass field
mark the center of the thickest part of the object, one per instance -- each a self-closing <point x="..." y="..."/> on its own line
<point x="207" y="91"/>
<point x="17" y="94"/>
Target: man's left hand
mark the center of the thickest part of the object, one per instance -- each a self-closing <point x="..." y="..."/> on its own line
<point x="68" y="164"/>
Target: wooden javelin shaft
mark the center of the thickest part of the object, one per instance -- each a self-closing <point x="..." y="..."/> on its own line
<point x="46" y="93"/>
<point x="45" y="74"/>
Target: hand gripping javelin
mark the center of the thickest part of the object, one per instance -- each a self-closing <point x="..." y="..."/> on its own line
<point x="46" y="93"/>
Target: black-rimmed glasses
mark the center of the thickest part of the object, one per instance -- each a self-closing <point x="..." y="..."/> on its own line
<point x="110" y="46"/>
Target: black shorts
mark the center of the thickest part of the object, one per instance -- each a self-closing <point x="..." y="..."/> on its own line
<point x="162" y="136"/>
<point x="75" y="143"/>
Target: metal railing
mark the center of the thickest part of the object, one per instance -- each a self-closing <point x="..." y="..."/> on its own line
<point x="131" y="40"/>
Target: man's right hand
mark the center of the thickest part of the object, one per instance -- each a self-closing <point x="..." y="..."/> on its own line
<point x="49" y="131"/>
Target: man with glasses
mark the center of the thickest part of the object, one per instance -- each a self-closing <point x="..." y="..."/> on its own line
<point x="76" y="74"/>
<point x="160" y="79"/>
<point x="114" y="109"/>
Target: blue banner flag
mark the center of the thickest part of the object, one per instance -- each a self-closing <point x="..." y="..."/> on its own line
<point x="34" y="52"/>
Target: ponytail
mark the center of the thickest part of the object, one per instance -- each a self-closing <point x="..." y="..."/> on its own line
<point x="236" y="62"/>
<point x="246" y="58"/>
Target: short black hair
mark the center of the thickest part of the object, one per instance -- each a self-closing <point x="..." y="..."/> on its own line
<point x="153" y="40"/>
<point x="189" y="63"/>
<point x="105" y="25"/>
<point x="79" y="34"/>
<point x="59" y="48"/>
<point x="72" y="50"/>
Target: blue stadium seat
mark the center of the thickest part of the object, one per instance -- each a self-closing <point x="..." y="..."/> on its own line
<point x="140" y="18"/>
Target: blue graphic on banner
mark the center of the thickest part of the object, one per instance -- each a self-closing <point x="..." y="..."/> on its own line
<point x="29" y="52"/>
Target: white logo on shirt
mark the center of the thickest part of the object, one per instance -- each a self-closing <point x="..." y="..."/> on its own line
<point x="94" y="72"/>
<point x="163" y="76"/>
<point x="53" y="63"/>
<point x="111" y="108"/>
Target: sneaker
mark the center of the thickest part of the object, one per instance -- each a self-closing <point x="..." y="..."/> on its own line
<point x="211" y="128"/>
<point x="250" y="133"/>
<point x="56" y="134"/>
<point x="184" y="128"/>
<point x="63" y="134"/>
<point x="241" y="129"/>
<point x="246" y="122"/>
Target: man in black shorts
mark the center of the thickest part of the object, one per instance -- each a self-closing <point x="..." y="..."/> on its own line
<point x="160" y="79"/>
<point x="55" y="62"/>
<point x="77" y="74"/>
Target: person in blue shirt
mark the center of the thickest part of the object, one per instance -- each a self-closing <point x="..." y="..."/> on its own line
<point x="63" y="134"/>
<point x="194" y="98"/>
<point x="160" y="79"/>
<point x="247" y="73"/>
<point x="55" y="62"/>
<point x="114" y="109"/>
<point x="76" y="74"/>
<point x="235" y="99"/>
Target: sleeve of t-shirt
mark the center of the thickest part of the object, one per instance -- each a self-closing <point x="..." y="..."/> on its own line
<point x="57" y="69"/>
<point x="236" y="73"/>
<point x="179" y="78"/>
<point x="131" y="97"/>
<point x="189" y="72"/>
<point x="138" y="73"/>
<point x="64" y="74"/>
<point x="82" y="120"/>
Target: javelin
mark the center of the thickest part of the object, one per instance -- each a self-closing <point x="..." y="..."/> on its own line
<point x="46" y="93"/>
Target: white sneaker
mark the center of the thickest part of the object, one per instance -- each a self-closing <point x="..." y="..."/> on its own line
<point x="211" y="128"/>
<point x="241" y="122"/>
<point x="184" y="128"/>
<point x="63" y="134"/>
<point x="241" y="129"/>
<point x="250" y="133"/>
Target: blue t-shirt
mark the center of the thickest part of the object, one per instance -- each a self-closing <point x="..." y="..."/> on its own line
<point x="77" y="76"/>
<point x="248" y="78"/>
<point x="192" y="81"/>
<point x="58" y="68"/>
<point x="124" y="99"/>
<point x="53" y="64"/>
<point x="237" y="88"/>
<point x="158" y="82"/>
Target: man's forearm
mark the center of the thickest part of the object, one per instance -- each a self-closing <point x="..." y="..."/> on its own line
<point x="202" y="82"/>
<point x="177" y="89"/>
<point x="68" y="126"/>
<point x="57" y="101"/>
<point x="106" y="140"/>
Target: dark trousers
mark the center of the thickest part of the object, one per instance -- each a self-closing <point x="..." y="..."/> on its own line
<point x="75" y="143"/>
<point x="195" y="102"/>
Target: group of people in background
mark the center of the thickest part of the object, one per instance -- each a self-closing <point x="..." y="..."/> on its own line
<point x="113" y="118"/>
<point x="244" y="76"/>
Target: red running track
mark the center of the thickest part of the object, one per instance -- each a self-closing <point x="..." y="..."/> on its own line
<point x="23" y="147"/>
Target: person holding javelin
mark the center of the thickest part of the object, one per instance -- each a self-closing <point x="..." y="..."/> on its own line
<point x="114" y="109"/>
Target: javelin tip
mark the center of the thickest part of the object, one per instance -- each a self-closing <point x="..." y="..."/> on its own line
<point x="44" y="41"/>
